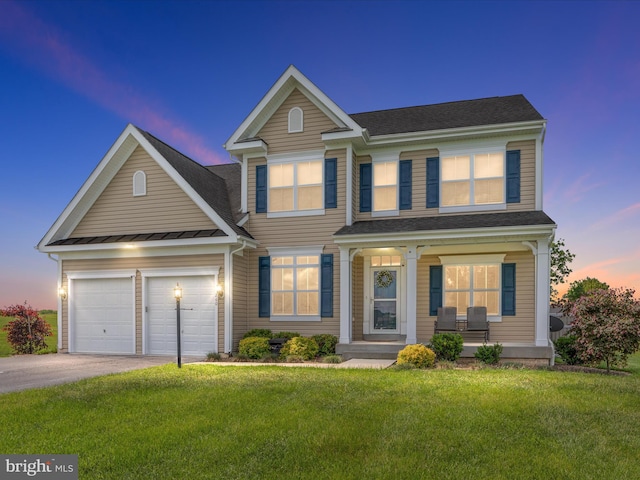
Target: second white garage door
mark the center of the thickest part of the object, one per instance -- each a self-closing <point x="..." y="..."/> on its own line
<point x="198" y="315"/>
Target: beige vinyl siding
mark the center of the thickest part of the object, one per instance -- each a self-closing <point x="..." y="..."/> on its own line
<point x="165" y="207"/>
<point x="527" y="175"/>
<point x="276" y="131"/>
<point x="137" y="264"/>
<point x="513" y="329"/>
<point x="240" y="299"/>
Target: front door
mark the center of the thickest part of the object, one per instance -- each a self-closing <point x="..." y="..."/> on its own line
<point x="384" y="301"/>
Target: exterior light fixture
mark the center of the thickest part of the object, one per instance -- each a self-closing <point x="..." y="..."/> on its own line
<point x="219" y="289"/>
<point x="177" y="293"/>
<point x="62" y="293"/>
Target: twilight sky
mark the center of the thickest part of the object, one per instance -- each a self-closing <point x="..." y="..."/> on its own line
<point x="73" y="74"/>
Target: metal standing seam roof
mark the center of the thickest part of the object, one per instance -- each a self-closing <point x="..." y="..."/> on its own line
<point x="138" y="237"/>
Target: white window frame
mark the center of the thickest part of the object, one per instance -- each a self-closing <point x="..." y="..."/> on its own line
<point x="293" y="128"/>
<point x="139" y="190"/>
<point x="296" y="252"/>
<point x="385" y="158"/>
<point x="471" y="261"/>
<point x="471" y="153"/>
<point x="295" y="159"/>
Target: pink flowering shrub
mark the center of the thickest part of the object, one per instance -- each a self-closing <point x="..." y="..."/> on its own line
<point x="27" y="331"/>
<point x="607" y="326"/>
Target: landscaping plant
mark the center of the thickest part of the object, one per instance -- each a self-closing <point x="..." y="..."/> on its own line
<point x="326" y="344"/>
<point x="606" y="326"/>
<point x="566" y="348"/>
<point x="447" y="346"/>
<point x="489" y="354"/>
<point x="417" y="355"/>
<point x="258" y="332"/>
<point x="28" y="331"/>
<point x="305" y="347"/>
<point x="254" y="347"/>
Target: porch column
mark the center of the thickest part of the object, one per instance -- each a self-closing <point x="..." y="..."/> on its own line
<point x="345" y="295"/>
<point x="542" y="292"/>
<point x="411" y="257"/>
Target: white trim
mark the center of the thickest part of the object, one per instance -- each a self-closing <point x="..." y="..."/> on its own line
<point x="542" y="275"/>
<point x="179" y="272"/>
<point x="349" y="185"/>
<point x="296" y="213"/>
<point x="539" y="191"/>
<point x="244" y="186"/>
<point x="300" y="156"/>
<point x="295" y="251"/>
<point x="485" y="207"/>
<point x="295" y="318"/>
<point x="472" y="259"/>
<point x="79" y="275"/>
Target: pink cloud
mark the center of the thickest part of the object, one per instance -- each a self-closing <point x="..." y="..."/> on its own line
<point x="620" y="216"/>
<point x="580" y="187"/>
<point x="43" y="47"/>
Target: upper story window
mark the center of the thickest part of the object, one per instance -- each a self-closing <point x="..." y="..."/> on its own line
<point x="296" y="120"/>
<point x="139" y="184"/>
<point x="385" y="186"/>
<point x="473" y="178"/>
<point x="295" y="186"/>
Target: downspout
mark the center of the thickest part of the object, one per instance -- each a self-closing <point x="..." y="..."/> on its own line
<point x="228" y="301"/>
<point x="59" y="303"/>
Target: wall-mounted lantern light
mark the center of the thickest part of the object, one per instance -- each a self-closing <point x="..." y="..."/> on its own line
<point x="62" y="293"/>
<point x="219" y="289"/>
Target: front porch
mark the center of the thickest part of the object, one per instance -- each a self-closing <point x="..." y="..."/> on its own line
<point x="512" y="351"/>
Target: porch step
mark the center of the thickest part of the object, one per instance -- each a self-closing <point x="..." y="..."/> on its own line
<point x="381" y="350"/>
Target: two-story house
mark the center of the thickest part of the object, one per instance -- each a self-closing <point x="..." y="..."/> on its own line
<point x="357" y="225"/>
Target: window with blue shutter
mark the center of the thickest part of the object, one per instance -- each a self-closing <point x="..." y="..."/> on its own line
<point x="433" y="182"/>
<point x="365" y="187"/>
<point x="326" y="285"/>
<point x="261" y="188"/>
<point x="508" y="289"/>
<point x="264" y="286"/>
<point x="331" y="183"/>
<point x="435" y="289"/>
<point x="405" y="185"/>
<point x="513" y="176"/>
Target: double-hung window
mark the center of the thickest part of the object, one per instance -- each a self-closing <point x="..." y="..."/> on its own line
<point x="473" y="178"/>
<point x="385" y="186"/>
<point x="296" y="186"/>
<point x="472" y="282"/>
<point x="295" y="285"/>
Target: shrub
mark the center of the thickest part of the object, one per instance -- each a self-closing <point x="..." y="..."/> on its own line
<point x="294" y="359"/>
<point x="27" y="331"/>
<point x="326" y="344"/>
<point x="607" y="326"/>
<point x="447" y="346"/>
<point x="287" y="335"/>
<point x="305" y="347"/>
<point x="489" y="354"/>
<point x="333" y="359"/>
<point x="214" y="357"/>
<point x="258" y="332"/>
<point x="417" y="355"/>
<point x="566" y="348"/>
<point x="254" y="347"/>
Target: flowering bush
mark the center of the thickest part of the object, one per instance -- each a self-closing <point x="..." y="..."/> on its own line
<point x="607" y="326"/>
<point x="27" y="332"/>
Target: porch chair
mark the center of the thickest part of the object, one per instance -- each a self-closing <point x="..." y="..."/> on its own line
<point x="446" y="321"/>
<point x="477" y="321"/>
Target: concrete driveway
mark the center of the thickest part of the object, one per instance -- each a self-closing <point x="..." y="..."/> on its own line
<point x="22" y="372"/>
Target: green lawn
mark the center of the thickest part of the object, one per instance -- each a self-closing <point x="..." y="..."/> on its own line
<point x="52" y="342"/>
<point x="211" y="421"/>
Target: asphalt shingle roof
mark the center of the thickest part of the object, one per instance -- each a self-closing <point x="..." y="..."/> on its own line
<point x="466" y="113"/>
<point x="447" y="222"/>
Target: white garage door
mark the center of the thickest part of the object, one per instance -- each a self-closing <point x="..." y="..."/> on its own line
<point x="197" y="315"/>
<point x="102" y="316"/>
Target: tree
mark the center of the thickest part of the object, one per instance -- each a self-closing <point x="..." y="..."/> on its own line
<point x="27" y="331"/>
<point x="580" y="288"/>
<point x="560" y="260"/>
<point x="607" y="326"/>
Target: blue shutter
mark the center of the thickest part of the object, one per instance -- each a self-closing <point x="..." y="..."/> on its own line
<point x="330" y="183"/>
<point x="513" y="176"/>
<point x="433" y="182"/>
<point x="261" y="188"/>
<point x="365" y="187"/>
<point x="405" y="185"/>
<point x="508" y="289"/>
<point x="264" y="286"/>
<point x="326" y="285"/>
<point x="435" y="289"/>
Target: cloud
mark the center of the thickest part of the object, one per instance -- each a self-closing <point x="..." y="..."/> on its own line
<point x="45" y="48"/>
<point x="582" y="185"/>
<point x="622" y="215"/>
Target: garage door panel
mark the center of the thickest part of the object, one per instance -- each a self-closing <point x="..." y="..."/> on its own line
<point x="197" y="315"/>
<point x="103" y="315"/>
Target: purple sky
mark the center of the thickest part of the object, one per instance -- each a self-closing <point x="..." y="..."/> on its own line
<point x="73" y="74"/>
